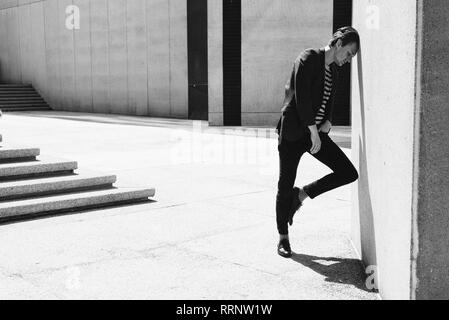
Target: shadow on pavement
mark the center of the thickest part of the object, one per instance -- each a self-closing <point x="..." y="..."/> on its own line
<point x="336" y="270"/>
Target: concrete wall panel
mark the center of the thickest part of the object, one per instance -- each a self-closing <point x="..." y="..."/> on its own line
<point x="158" y="31"/>
<point x="13" y="48"/>
<point x="215" y="61"/>
<point x="4" y="4"/>
<point x="431" y="237"/>
<point x="66" y="58"/>
<point x="100" y="55"/>
<point x="26" y="49"/>
<point x="288" y="27"/>
<point x="39" y="61"/>
<point x="3" y="44"/>
<point x="53" y="94"/>
<point x="178" y="59"/>
<point x="83" y="59"/>
<point x="137" y="57"/>
<point x="129" y="57"/>
<point x="383" y="93"/>
<point x="260" y="119"/>
<point x="118" y="64"/>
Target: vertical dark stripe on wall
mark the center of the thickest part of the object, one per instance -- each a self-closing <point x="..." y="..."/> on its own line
<point x="197" y="59"/>
<point x="342" y="110"/>
<point x="232" y="62"/>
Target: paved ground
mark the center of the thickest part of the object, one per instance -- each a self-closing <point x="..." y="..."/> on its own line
<point x="210" y="232"/>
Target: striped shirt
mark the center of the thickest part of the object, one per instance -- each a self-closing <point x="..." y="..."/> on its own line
<point x="326" y="95"/>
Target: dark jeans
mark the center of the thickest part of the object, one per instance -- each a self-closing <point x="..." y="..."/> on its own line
<point x="290" y="153"/>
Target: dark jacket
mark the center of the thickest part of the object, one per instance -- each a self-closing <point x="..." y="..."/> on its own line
<point x="306" y="85"/>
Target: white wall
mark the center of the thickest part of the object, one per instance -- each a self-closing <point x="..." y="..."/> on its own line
<point x="383" y="102"/>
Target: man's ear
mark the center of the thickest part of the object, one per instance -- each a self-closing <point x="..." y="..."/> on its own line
<point x="338" y="43"/>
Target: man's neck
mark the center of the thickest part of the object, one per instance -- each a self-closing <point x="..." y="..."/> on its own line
<point x="328" y="55"/>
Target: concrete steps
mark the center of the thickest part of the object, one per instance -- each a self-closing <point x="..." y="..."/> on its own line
<point x="27" y="169"/>
<point x="31" y="187"/>
<point x="19" y="189"/>
<point x="22" y="99"/>
<point x="26" y="102"/>
<point x="6" y="94"/>
<point x="14" y="85"/>
<point x="18" y="155"/>
<point x="11" y="153"/>
<point x="25" y="108"/>
<point x="17" y="97"/>
<point x="71" y="202"/>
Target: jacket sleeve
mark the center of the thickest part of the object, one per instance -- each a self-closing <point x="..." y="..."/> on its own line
<point x="303" y="90"/>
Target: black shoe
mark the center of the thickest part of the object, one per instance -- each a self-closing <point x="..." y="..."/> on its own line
<point x="284" y="249"/>
<point x="296" y="204"/>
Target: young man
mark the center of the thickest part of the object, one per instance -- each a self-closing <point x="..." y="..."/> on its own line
<point x="304" y="126"/>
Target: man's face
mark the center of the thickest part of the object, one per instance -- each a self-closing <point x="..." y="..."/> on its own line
<point x="344" y="54"/>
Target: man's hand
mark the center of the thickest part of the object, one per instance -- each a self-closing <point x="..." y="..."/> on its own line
<point x="315" y="138"/>
<point x="326" y="127"/>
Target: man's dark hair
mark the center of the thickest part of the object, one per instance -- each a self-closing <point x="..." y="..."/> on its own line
<point x="347" y="35"/>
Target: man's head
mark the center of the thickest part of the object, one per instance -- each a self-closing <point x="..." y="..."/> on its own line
<point x="346" y="44"/>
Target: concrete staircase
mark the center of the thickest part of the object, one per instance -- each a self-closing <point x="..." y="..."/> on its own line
<point x="30" y="187"/>
<point x="21" y="97"/>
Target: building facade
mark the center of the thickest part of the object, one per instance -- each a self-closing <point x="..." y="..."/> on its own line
<point x="225" y="61"/>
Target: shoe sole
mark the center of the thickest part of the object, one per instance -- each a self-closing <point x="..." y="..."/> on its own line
<point x="285" y="256"/>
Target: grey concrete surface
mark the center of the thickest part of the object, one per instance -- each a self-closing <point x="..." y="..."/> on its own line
<point x="209" y="234"/>
<point x="158" y="31"/>
<point x="432" y="207"/>
<point x="137" y="57"/>
<point x="83" y="61"/>
<point x="52" y="92"/>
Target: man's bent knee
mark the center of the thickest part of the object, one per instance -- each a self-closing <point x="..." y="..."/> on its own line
<point x="353" y="175"/>
<point x="349" y="175"/>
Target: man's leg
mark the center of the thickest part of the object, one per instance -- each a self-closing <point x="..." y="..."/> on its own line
<point x="343" y="170"/>
<point x="289" y="155"/>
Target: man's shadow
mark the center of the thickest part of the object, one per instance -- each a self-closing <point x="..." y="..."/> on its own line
<point x="336" y="270"/>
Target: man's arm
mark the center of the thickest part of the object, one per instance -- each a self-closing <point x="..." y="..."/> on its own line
<point x="303" y="91"/>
